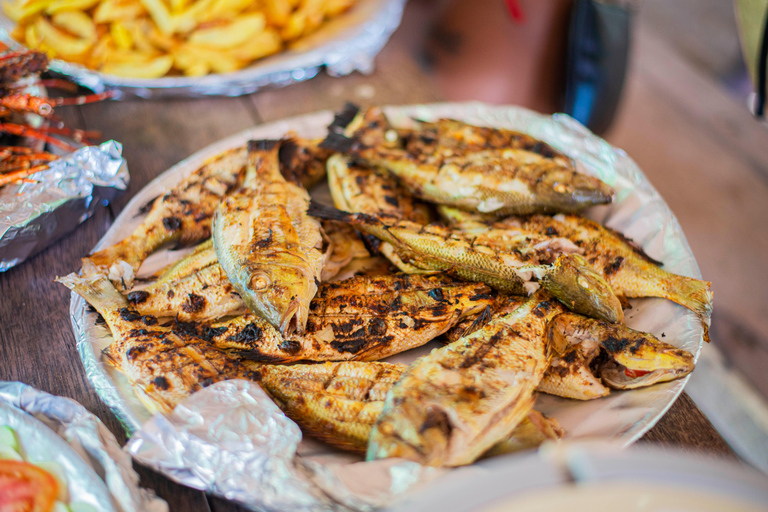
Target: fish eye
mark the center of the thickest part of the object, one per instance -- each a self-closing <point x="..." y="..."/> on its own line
<point x="260" y="282"/>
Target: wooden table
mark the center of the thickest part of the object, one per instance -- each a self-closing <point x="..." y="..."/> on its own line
<point x="37" y="345"/>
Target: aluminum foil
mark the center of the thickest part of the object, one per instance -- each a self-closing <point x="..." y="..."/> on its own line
<point x="97" y="471"/>
<point x="35" y="214"/>
<point x="622" y="417"/>
<point x="343" y="45"/>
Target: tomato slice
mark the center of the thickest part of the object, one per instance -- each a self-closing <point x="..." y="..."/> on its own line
<point x="25" y="487"/>
<point x="633" y="374"/>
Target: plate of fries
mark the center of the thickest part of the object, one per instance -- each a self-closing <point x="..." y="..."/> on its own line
<point x="152" y="48"/>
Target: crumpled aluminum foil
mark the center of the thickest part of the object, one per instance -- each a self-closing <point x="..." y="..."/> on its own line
<point x="35" y="214"/>
<point x="343" y="478"/>
<point x="345" y="44"/>
<point x="53" y="428"/>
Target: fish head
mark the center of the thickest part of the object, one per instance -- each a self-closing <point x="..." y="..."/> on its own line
<point x="641" y="361"/>
<point x="566" y="190"/>
<point x="574" y="282"/>
<point x="278" y="293"/>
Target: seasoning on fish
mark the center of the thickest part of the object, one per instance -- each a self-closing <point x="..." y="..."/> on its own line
<point x="503" y="181"/>
<point x="182" y="215"/>
<point x="164" y="363"/>
<point x="363" y="318"/>
<point x="339" y="403"/>
<point x="267" y="244"/>
<point x="453" y="404"/>
<point x="434" y="248"/>
<point x="591" y="356"/>
<point x="627" y="269"/>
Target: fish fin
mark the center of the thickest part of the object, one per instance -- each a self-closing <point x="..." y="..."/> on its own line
<point x="322" y="211"/>
<point x="480" y="320"/>
<point x="342" y="118"/>
<point x="97" y="289"/>
<point x="338" y="142"/>
<point x="695" y="295"/>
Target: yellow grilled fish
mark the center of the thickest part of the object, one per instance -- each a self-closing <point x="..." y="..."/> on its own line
<point x="591" y="356"/>
<point x="453" y="404"/>
<point x="434" y="248"/>
<point x="267" y="244"/>
<point x="339" y="402"/>
<point x="627" y="269"/>
<point x="504" y="181"/>
<point x="362" y="318"/>
<point x="164" y="363"/>
<point x="181" y="215"/>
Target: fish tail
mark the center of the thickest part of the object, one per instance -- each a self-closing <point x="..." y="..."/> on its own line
<point x="322" y="211"/>
<point x="95" y="288"/>
<point x="342" y="118"/>
<point x="336" y="141"/>
<point x="693" y="294"/>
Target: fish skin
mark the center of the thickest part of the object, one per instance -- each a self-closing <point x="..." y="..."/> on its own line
<point x="362" y="318"/>
<point x="591" y="356"/>
<point x="339" y="402"/>
<point x="627" y="269"/>
<point x="267" y="245"/>
<point x="164" y="363"/>
<point x="182" y="215"/>
<point x="205" y="295"/>
<point x="203" y="256"/>
<point x="453" y="404"/>
<point x="435" y="248"/>
<point x="505" y="181"/>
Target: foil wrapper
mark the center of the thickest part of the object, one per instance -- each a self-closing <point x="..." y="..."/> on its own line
<point x="342" y="480"/>
<point x="36" y="213"/>
<point x="344" y="44"/>
<point x="53" y="428"/>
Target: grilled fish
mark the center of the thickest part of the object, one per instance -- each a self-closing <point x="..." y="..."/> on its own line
<point x="504" y="181"/>
<point x="433" y="248"/>
<point x="503" y="304"/>
<point x="453" y="404"/>
<point x="164" y="363"/>
<point x="182" y="215"/>
<point x="591" y="356"/>
<point x="627" y="269"/>
<point x="267" y="245"/>
<point x="362" y="318"/>
<point x="346" y="246"/>
<point x="339" y="402"/>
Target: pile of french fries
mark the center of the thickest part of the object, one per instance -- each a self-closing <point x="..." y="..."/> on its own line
<point x="155" y="38"/>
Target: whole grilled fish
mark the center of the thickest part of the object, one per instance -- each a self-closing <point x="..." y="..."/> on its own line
<point x="504" y="181"/>
<point x="182" y="215"/>
<point x="362" y="318"/>
<point x="453" y="404"/>
<point x="267" y="244"/>
<point x="433" y="248"/>
<point x="591" y="356"/>
<point x="164" y="363"/>
<point x="627" y="269"/>
<point x="339" y="402"/>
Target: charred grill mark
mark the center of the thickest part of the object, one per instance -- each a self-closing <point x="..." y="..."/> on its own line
<point x="614" y="266"/>
<point x="149" y="320"/>
<point x="137" y="297"/>
<point x="544" y="150"/>
<point x="185" y="329"/>
<point x="161" y="383"/>
<point x="377" y="327"/>
<point x="482" y="350"/>
<point x="290" y="346"/>
<point x="129" y="315"/>
<point x="481" y="296"/>
<point x="171" y="294"/>
<point x="391" y="200"/>
<point x="135" y="351"/>
<point x="437" y="294"/>
<point x="249" y="334"/>
<point x="209" y="333"/>
<point x="266" y="242"/>
<point x="172" y="223"/>
<point x="614" y="345"/>
<point x="193" y="303"/>
<point x="543" y="308"/>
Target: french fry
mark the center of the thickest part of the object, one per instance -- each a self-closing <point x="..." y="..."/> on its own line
<point x="230" y="34"/>
<point x="150" y="38"/>
<point x="70" y="5"/>
<point x="76" y="23"/>
<point x="266" y="43"/>
<point x="113" y="10"/>
<point x="154" y="68"/>
<point x="160" y="15"/>
<point x="61" y="43"/>
<point x="121" y="35"/>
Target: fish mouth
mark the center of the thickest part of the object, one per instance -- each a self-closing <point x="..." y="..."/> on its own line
<point x="290" y="323"/>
